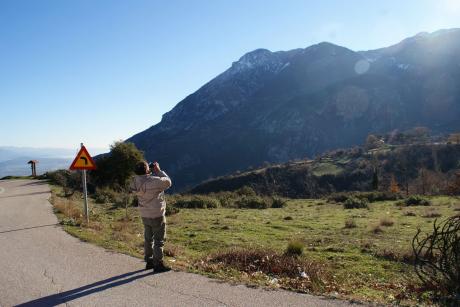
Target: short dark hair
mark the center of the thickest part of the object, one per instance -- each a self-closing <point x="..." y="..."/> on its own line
<point x="141" y="168"/>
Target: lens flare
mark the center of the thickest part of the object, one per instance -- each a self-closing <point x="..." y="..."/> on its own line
<point x="362" y="66"/>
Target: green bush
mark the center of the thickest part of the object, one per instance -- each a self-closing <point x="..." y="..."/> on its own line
<point x="253" y="202"/>
<point x="415" y="200"/>
<point x="371" y="197"/>
<point x="278" y="203"/>
<point x="226" y="199"/>
<point x="196" y="202"/>
<point x="170" y="210"/>
<point x="339" y="197"/>
<point x="246" y="191"/>
<point x="294" y="248"/>
<point x="115" y="169"/>
<point x="65" y="178"/>
<point x="135" y="202"/>
<point x="105" y="196"/>
<point x="378" y="196"/>
<point x="355" y="203"/>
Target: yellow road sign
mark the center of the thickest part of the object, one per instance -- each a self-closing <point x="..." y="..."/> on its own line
<point x="83" y="161"/>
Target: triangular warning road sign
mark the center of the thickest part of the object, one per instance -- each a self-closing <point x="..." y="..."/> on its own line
<point x="83" y="160"/>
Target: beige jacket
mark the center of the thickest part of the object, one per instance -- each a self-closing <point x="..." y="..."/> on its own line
<point x="150" y="193"/>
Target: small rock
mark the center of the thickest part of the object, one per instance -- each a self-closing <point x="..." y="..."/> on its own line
<point x="274" y="281"/>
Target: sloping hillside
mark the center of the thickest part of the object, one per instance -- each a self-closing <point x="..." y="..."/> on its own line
<point x="422" y="169"/>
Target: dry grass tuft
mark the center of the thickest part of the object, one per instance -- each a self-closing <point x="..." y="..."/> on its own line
<point x="67" y="208"/>
<point x="397" y="256"/>
<point x="172" y="250"/>
<point x="350" y="223"/>
<point x="294" y="248"/>
<point x="377" y="229"/>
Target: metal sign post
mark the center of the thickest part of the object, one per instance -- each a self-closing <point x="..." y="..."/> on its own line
<point x="83" y="162"/>
<point x="85" y="193"/>
<point x="85" y="196"/>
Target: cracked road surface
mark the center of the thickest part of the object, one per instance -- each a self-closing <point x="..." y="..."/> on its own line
<point x="41" y="265"/>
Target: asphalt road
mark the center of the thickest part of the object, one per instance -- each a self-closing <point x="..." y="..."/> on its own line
<point x="41" y="265"/>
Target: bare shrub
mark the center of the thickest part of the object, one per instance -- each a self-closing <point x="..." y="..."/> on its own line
<point x="377" y="229"/>
<point x="437" y="259"/>
<point x="288" y="269"/>
<point x="431" y="214"/>
<point x="386" y="222"/>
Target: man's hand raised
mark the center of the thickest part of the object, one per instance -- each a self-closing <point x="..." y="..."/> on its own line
<point x="156" y="167"/>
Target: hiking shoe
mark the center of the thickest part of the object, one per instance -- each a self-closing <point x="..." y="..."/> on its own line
<point x="149" y="265"/>
<point x="161" y="268"/>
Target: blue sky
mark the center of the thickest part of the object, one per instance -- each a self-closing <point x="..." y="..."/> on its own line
<point x="97" y="71"/>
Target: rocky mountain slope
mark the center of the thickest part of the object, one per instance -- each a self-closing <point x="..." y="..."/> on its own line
<point x="278" y="106"/>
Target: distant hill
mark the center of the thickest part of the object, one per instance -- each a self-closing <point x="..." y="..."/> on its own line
<point x="19" y="166"/>
<point x="279" y="106"/>
<point x="10" y="152"/>
<point x="13" y="160"/>
<point x="422" y="168"/>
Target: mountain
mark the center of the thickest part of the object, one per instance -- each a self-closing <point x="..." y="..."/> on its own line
<point x="278" y="106"/>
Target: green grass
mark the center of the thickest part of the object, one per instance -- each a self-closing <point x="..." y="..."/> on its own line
<point x="356" y="257"/>
<point x="326" y="168"/>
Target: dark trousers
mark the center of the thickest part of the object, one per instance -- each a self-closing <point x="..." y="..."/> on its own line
<point x="154" y="238"/>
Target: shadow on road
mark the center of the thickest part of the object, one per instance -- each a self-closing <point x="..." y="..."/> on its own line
<point x="66" y="296"/>
<point x="26" y="228"/>
<point x="35" y="182"/>
<point x="25" y="194"/>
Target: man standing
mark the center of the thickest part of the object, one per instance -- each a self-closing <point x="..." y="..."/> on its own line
<point x="149" y="189"/>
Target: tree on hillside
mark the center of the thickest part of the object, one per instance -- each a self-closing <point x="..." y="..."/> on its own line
<point x="375" y="180"/>
<point x="454" y="186"/>
<point x="372" y="142"/>
<point x="419" y="134"/>
<point x="430" y="182"/>
<point x="115" y="168"/>
<point x="394" y="188"/>
<point x="454" y="138"/>
<point x="402" y="169"/>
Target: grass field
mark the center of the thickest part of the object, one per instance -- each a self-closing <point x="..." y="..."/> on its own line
<point x="363" y="254"/>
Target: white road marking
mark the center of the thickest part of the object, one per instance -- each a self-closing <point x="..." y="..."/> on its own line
<point x="2" y="190"/>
